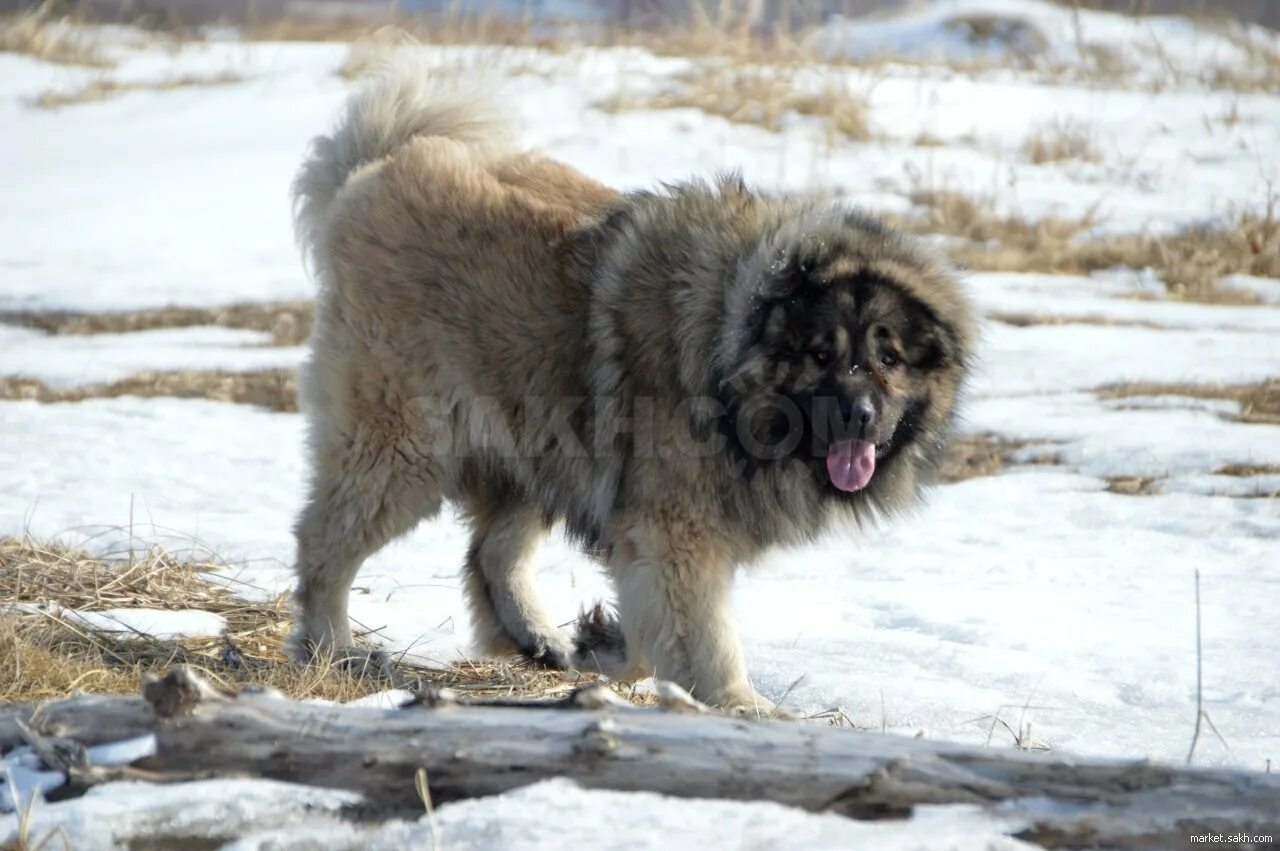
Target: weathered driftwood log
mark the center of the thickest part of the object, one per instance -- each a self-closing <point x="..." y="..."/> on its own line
<point x="469" y="750"/>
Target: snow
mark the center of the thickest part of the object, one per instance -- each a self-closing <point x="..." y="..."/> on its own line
<point x="150" y="623"/>
<point x="1035" y="595"/>
<point x="106" y="816"/>
<point x="1036" y="29"/>
<point x="264" y="815"/>
<point x="68" y="361"/>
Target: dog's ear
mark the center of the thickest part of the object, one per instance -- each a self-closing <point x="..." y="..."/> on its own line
<point x="939" y="343"/>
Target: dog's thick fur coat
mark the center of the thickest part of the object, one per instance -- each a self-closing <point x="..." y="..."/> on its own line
<point x="497" y="330"/>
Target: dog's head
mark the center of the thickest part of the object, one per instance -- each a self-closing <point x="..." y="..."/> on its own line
<point x="846" y="350"/>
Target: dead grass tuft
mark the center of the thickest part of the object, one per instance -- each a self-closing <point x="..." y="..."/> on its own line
<point x="288" y="322"/>
<point x="971" y="456"/>
<point x="276" y="389"/>
<point x="1245" y="470"/>
<point x="51" y="38"/>
<point x="925" y="139"/>
<point x="1133" y="485"/>
<point x="44" y="654"/>
<point x="763" y="96"/>
<point x="1059" y="141"/>
<point x="1190" y="262"/>
<point x="1259" y="403"/>
<point x="1028" y="320"/>
<point x="107" y="88"/>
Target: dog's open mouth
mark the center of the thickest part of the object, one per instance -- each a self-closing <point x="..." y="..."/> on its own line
<point x="852" y="463"/>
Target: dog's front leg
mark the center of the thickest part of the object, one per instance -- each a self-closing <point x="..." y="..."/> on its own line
<point x="674" y="585"/>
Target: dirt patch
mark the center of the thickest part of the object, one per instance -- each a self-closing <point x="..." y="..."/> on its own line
<point x="1259" y="403"/>
<point x="46" y="653"/>
<point x="763" y="96"/>
<point x="276" y="389"/>
<point x="288" y="322"/>
<point x="970" y="456"/>
<point x="108" y="88"/>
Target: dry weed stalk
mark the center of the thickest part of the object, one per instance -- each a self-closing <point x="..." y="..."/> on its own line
<point x="1059" y="141"/>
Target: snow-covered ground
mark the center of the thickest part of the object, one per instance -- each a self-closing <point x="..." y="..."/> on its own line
<point x="1034" y="595"/>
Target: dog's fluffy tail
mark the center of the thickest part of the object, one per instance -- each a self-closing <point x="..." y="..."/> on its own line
<point x="401" y="102"/>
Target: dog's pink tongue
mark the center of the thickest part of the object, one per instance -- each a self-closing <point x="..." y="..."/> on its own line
<point x="851" y="463"/>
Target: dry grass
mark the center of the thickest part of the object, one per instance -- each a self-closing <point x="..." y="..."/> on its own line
<point x="107" y="88"/>
<point x="1260" y="73"/>
<point x="288" y="322"/>
<point x="1190" y="262"/>
<point x="45" y="655"/>
<point x="40" y="34"/>
<point x="1244" y="470"/>
<point x="1259" y="403"/>
<point x="1059" y="141"/>
<point x="276" y="389"/>
<point x="764" y="96"/>
<point x="971" y="456"/>
<point x="1028" y="320"/>
<point x="1133" y="485"/>
<point x="449" y="28"/>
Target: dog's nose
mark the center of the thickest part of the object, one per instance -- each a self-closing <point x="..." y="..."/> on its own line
<point x="859" y="413"/>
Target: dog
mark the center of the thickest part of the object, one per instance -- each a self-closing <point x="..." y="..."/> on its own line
<point x="685" y="378"/>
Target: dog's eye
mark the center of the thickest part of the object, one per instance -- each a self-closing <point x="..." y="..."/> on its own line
<point x="889" y="360"/>
<point x="820" y="356"/>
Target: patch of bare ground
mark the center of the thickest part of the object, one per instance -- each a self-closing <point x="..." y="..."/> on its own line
<point x="107" y="88"/>
<point x="1059" y="141"/>
<point x="288" y="322"/>
<point x="276" y="389"/>
<point x="1259" y="402"/>
<point x="761" y="95"/>
<point x="1191" y="262"/>
<point x="971" y="456"/>
<point x="46" y="653"/>
<point x="49" y="37"/>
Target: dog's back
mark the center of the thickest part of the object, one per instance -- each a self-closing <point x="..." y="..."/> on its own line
<point x="417" y="214"/>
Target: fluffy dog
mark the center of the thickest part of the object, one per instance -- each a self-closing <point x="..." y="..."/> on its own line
<point x="685" y="377"/>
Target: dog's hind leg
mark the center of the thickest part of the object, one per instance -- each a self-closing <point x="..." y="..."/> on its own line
<point x="365" y="492"/>
<point x="506" y="611"/>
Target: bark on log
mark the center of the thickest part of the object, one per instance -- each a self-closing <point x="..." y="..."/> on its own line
<point x="470" y="750"/>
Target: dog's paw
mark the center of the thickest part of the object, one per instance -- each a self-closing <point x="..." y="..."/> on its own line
<point x="364" y="662"/>
<point x="552" y="650"/>
<point x="598" y="644"/>
<point x="358" y="661"/>
<point x="748" y="703"/>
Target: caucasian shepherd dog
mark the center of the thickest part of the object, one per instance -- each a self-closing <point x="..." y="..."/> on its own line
<point x="685" y="377"/>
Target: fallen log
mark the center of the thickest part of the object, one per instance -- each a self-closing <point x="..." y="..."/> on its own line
<point x="681" y="749"/>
